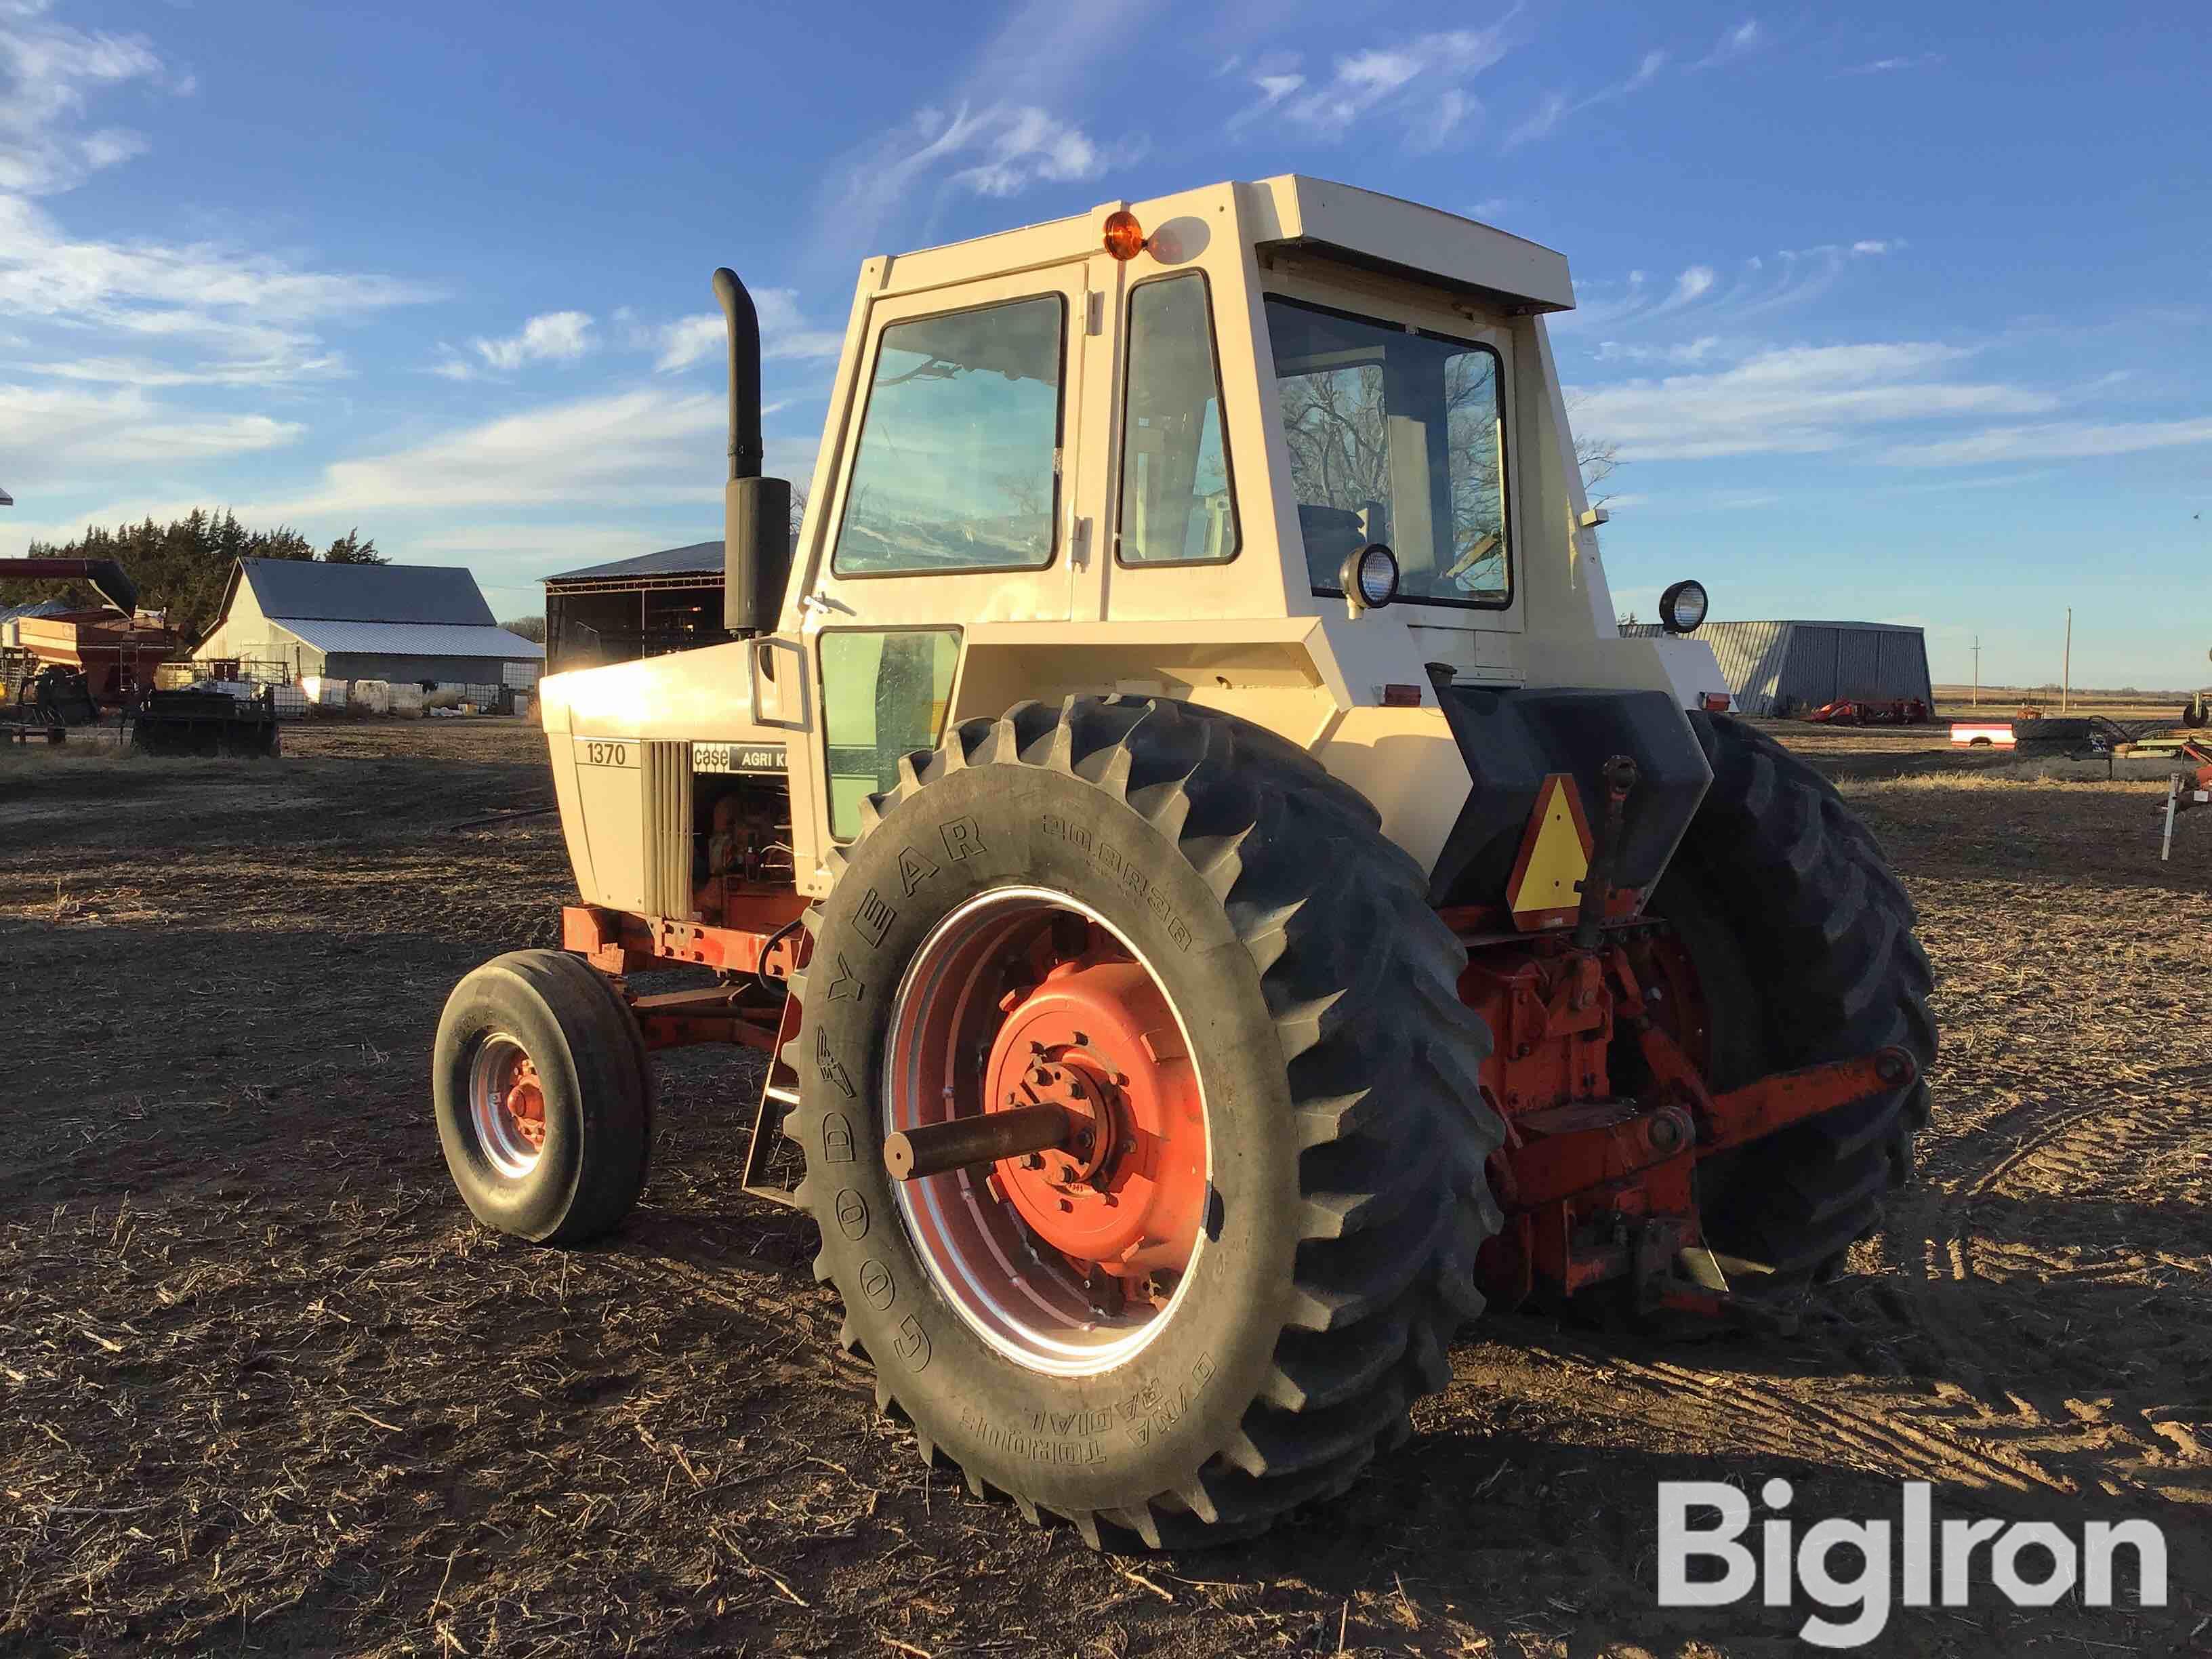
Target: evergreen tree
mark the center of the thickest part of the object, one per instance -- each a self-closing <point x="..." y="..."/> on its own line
<point x="181" y="568"/>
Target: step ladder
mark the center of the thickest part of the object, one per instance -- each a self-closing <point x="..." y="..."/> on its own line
<point x="765" y="1175"/>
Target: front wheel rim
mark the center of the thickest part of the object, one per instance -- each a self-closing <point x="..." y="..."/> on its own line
<point x="507" y="1106"/>
<point x="1071" y="1262"/>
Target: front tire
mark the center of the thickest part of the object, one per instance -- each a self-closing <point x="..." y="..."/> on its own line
<point x="543" y="1097"/>
<point x="1314" y="992"/>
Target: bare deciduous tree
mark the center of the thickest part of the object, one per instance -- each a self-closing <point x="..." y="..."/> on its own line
<point x="1598" y="457"/>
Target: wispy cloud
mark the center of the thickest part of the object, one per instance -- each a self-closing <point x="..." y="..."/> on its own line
<point x="1417" y="84"/>
<point x="650" y="445"/>
<point x="55" y="436"/>
<point x="1891" y="65"/>
<point x="1687" y="352"/>
<point x="2053" y="441"/>
<point x="1557" y="105"/>
<point x="1433" y="131"/>
<point x="1795" y="399"/>
<point x="1739" y="41"/>
<point x="221" y="315"/>
<point x="47" y="70"/>
<point x="559" y="336"/>
<point x="995" y="130"/>
<point x="785" y="333"/>
<point x="1754" y="287"/>
<point x="1541" y="122"/>
<point x="1690" y="287"/>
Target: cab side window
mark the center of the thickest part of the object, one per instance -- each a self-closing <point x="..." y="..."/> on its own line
<point x="1176" y="505"/>
<point x="957" y="466"/>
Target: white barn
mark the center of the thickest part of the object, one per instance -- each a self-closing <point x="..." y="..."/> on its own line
<point x="383" y="622"/>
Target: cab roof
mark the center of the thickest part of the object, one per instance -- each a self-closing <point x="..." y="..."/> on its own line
<point x="1285" y="216"/>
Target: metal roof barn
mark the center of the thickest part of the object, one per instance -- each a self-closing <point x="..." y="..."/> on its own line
<point x="386" y="622"/>
<point x="1788" y="667"/>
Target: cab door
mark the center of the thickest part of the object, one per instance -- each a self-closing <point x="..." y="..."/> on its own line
<point x="959" y="501"/>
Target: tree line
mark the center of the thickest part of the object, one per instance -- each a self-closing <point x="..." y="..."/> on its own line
<point x="181" y="568"/>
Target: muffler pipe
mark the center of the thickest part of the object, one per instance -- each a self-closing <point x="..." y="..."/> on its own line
<point x="755" y="511"/>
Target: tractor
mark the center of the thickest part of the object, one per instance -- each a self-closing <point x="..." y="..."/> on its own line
<point x="1219" y="900"/>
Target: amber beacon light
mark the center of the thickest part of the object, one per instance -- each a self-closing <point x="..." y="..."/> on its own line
<point x="1125" y="237"/>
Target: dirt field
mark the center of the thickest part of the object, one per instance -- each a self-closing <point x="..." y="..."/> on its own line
<point x="266" y="1389"/>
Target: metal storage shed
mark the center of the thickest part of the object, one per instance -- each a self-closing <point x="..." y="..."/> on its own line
<point x="620" y="611"/>
<point x="385" y="622"/>
<point x="1782" y="668"/>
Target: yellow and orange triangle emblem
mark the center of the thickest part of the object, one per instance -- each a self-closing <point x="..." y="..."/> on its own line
<point x="1545" y="889"/>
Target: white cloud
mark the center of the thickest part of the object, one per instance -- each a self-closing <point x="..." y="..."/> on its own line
<point x="1026" y="144"/>
<point x="1431" y="131"/>
<point x="633" y="446"/>
<point x="1692" y="285"/>
<point x="225" y="315"/>
<point x="1001" y="134"/>
<point x="149" y="372"/>
<point x="1646" y="71"/>
<point x="1005" y="149"/>
<point x="1685" y="352"/>
<point x="552" y="337"/>
<point x="1796" y="399"/>
<point x="2053" y="441"/>
<point x="45" y="72"/>
<point x="685" y="342"/>
<point x="1541" y="122"/>
<point x="54" y="434"/>
<point x="1414" y="81"/>
<point x="1786" y="279"/>
<point x="784" y="333"/>
<point x="1745" y="37"/>
<point x="1891" y="65"/>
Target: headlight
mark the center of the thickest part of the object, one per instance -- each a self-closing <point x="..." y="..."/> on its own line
<point x="1682" y="607"/>
<point x="1369" y="577"/>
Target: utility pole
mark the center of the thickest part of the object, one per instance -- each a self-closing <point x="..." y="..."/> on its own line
<point x="2066" y="664"/>
<point x="1977" y="671"/>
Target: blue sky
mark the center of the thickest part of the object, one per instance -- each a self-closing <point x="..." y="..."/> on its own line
<point x="1904" y="313"/>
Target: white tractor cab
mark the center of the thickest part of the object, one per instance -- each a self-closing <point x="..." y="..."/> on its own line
<point x="1220" y="896"/>
<point x="1050" y="469"/>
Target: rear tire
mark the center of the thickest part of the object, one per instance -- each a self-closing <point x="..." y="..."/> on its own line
<point x="1346" y="1132"/>
<point x="1801" y="933"/>
<point x="543" y="1027"/>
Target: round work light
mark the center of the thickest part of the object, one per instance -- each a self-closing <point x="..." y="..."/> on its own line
<point x="1682" y="607"/>
<point x="1369" y="576"/>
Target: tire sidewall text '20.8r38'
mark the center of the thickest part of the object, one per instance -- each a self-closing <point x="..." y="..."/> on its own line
<point x="1311" y="989"/>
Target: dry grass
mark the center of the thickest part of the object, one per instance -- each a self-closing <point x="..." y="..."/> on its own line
<point x="265" y="1388"/>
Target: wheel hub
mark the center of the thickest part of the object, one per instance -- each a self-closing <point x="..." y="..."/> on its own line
<point x="506" y="1105"/>
<point x="1127" y="1192"/>
<point x="1070" y="1259"/>
<point x="525" y="1104"/>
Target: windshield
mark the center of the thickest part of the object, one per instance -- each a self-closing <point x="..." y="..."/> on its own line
<point x="1395" y="436"/>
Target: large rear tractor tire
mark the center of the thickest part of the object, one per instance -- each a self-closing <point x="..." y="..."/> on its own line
<point x="1216" y="1300"/>
<point x="1803" y="941"/>
<point x="543" y="1097"/>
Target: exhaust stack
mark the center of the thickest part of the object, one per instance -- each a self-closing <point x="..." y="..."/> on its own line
<point x="755" y="511"/>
